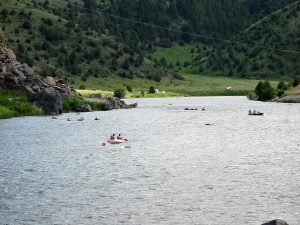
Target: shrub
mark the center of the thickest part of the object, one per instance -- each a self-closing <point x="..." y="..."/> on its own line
<point x="281" y="86"/>
<point x="186" y="64"/>
<point x="178" y="76"/>
<point x="129" y="88"/>
<point x="71" y="104"/>
<point x="264" y="91"/>
<point x="296" y="82"/>
<point x="4" y="13"/>
<point x="27" y="25"/>
<point x="280" y="92"/>
<point x="81" y="87"/>
<point x="119" y="93"/>
<point x="52" y="33"/>
<point x="156" y="78"/>
<point x="125" y="65"/>
<point x="151" y="90"/>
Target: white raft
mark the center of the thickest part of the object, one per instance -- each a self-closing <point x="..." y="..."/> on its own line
<point x="116" y="142"/>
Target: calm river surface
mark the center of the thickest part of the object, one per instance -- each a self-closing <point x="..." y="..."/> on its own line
<point x="174" y="170"/>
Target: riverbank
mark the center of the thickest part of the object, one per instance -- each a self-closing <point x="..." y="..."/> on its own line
<point x="291" y="96"/>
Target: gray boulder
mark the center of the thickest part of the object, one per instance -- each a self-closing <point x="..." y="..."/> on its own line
<point x="116" y="103"/>
<point x="27" y="69"/>
<point x="28" y="90"/>
<point x="50" y="81"/>
<point x="49" y="100"/>
<point x="19" y="73"/>
<point x="276" y="222"/>
<point x="36" y="88"/>
<point x="84" y="108"/>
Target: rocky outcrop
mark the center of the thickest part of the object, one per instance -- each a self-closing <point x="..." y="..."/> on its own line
<point x="289" y="98"/>
<point x="111" y="102"/>
<point x="276" y="222"/>
<point x="84" y="108"/>
<point x="48" y="99"/>
<point x="116" y="103"/>
<point x="47" y="93"/>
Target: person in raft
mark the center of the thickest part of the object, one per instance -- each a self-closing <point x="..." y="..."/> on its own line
<point x="113" y="137"/>
<point x="119" y="137"/>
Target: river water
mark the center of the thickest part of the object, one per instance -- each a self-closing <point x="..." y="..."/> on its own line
<point x="175" y="169"/>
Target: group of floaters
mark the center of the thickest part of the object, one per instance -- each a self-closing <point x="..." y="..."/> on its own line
<point x="115" y="140"/>
<point x="82" y="119"/>
<point x="255" y="113"/>
<point x="192" y="109"/>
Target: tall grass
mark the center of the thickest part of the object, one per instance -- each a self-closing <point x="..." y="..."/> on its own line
<point x="15" y="103"/>
<point x="73" y="103"/>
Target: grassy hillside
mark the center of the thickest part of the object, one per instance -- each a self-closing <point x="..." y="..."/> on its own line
<point x="279" y="30"/>
<point x="50" y="36"/>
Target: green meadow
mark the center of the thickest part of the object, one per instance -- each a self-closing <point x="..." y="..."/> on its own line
<point x="192" y="85"/>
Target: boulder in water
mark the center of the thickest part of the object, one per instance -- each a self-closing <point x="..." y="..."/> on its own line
<point x="84" y="108"/>
<point x="276" y="222"/>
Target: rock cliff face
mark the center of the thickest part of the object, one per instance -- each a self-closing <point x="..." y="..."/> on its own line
<point x="47" y="93"/>
<point x="44" y="92"/>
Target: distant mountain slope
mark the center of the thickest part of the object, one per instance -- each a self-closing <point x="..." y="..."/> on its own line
<point x="203" y="16"/>
<point x="280" y="30"/>
<point x="60" y="40"/>
<point x="213" y="17"/>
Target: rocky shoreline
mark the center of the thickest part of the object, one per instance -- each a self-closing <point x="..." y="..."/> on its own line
<point x="289" y="98"/>
<point x="110" y="102"/>
<point x="46" y="93"/>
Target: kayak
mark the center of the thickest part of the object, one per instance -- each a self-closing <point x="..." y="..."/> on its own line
<point x="256" y="114"/>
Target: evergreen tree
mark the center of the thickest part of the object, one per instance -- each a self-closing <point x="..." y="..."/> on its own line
<point x="264" y="91"/>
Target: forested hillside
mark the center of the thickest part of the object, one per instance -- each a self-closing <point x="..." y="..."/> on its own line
<point x="69" y="39"/>
<point x="280" y="30"/>
<point x="260" y="8"/>
<point x="59" y="40"/>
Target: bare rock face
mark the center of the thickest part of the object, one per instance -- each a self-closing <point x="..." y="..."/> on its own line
<point x="45" y="92"/>
<point x="50" y="81"/>
<point x="116" y="103"/>
<point x="8" y="54"/>
<point x="276" y="222"/>
<point x="49" y="99"/>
